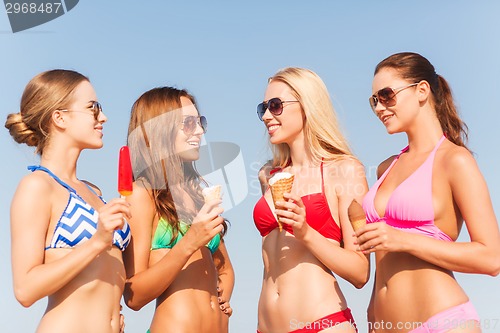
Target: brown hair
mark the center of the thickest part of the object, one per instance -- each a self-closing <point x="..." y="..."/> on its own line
<point x="153" y="127"/>
<point x="45" y="93"/>
<point x="415" y="68"/>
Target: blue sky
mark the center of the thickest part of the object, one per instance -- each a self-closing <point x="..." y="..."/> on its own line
<point x="223" y="52"/>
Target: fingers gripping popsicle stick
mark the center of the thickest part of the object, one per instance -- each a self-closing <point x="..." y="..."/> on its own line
<point x="125" y="178"/>
<point x="280" y="183"/>
<point x="357" y="215"/>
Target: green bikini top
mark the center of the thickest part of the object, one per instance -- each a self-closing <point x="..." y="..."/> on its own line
<point x="163" y="236"/>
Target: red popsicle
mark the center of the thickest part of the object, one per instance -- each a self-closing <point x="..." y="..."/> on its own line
<point x="124" y="172"/>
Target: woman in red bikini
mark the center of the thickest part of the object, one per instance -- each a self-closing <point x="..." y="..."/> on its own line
<point x="417" y="207"/>
<point x="300" y="292"/>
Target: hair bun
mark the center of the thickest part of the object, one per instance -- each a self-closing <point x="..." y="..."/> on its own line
<point x="20" y="131"/>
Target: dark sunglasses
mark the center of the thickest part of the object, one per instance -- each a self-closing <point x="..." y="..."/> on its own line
<point x="96" y="109"/>
<point x="190" y="122"/>
<point x="274" y="105"/>
<point x="387" y="96"/>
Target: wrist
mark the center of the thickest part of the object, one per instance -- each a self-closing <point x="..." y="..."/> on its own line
<point x="98" y="246"/>
<point x="186" y="247"/>
<point x="405" y="241"/>
<point x="304" y="234"/>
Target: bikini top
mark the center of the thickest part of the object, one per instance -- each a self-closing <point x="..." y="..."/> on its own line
<point x="78" y="222"/>
<point x="409" y="207"/>
<point x="162" y="238"/>
<point x="317" y="212"/>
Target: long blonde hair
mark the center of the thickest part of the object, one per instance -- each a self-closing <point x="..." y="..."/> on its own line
<point x="321" y="129"/>
<point x="45" y="93"/>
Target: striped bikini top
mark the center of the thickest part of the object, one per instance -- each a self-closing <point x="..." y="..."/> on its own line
<point x="78" y="222"/>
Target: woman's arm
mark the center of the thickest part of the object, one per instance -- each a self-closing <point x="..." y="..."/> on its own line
<point x="225" y="284"/>
<point x="370" y="311"/>
<point x="470" y="194"/>
<point x="150" y="273"/>
<point x="30" y="215"/>
<point x="226" y="277"/>
<point x="345" y="181"/>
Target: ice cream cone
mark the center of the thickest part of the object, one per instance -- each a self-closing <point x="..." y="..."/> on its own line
<point x="212" y="193"/>
<point x="357" y="215"/>
<point x="280" y="183"/>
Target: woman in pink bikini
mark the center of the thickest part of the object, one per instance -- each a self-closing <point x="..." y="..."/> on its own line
<point x="416" y="209"/>
<point x="300" y="292"/>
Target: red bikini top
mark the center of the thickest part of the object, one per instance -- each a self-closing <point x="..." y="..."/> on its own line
<point x="318" y="215"/>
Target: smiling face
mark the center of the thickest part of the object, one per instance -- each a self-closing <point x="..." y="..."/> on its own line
<point x="288" y="126"/>
<point x="187" y="145"/>
<point x="400" y="116"/>
<point x="83" y="127"/>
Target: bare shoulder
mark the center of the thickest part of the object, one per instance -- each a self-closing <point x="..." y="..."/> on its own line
<point x="457" y="160"/>
<point x="344" y="168"/>
<point x="346" y="178"/>
<point x="36" y="183"/>
<point x="382" y="167"/>
<point x="93" y="186"/>
<point x="33" y="194"/>
<point x="346" y="161"/>
<point x="142" y="196"/>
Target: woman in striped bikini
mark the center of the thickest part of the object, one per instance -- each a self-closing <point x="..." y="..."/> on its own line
<point x="66" y="241"/>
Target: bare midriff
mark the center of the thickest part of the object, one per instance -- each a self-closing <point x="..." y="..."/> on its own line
<point x="91" y="301"/>
<point x="190" y="303"/>
<point x="297" y="287"/>
<point x="408" y="291"/>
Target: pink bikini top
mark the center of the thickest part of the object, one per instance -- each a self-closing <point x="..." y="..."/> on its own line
<point x="317" y="212"/>
<point x="410" y="205"/>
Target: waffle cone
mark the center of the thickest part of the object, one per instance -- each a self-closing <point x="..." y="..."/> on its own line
<point x="212" y="193"/>
<point x="358" y="224"/>
<point x="357" y="215"/>
<point x="278" y="189"/>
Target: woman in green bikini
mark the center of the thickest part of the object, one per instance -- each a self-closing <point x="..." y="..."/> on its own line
<point x="177" y="255"/>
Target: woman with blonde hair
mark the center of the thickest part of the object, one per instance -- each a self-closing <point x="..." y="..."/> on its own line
<point x="177" y="255"/>
<point x="66" y="241"/>
<point x="302" y="260"/>
<point x="418" y="205"/>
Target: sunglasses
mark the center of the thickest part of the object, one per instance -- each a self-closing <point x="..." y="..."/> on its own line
<point x="96" y="109"/>
<point x="190" y="123"/>
<point x="274" y="105"/>
<point x="387" y="96"/>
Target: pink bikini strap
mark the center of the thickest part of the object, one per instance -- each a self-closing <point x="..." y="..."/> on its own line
<point x="439" y="143"/>
<point x="405" y="149"/>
